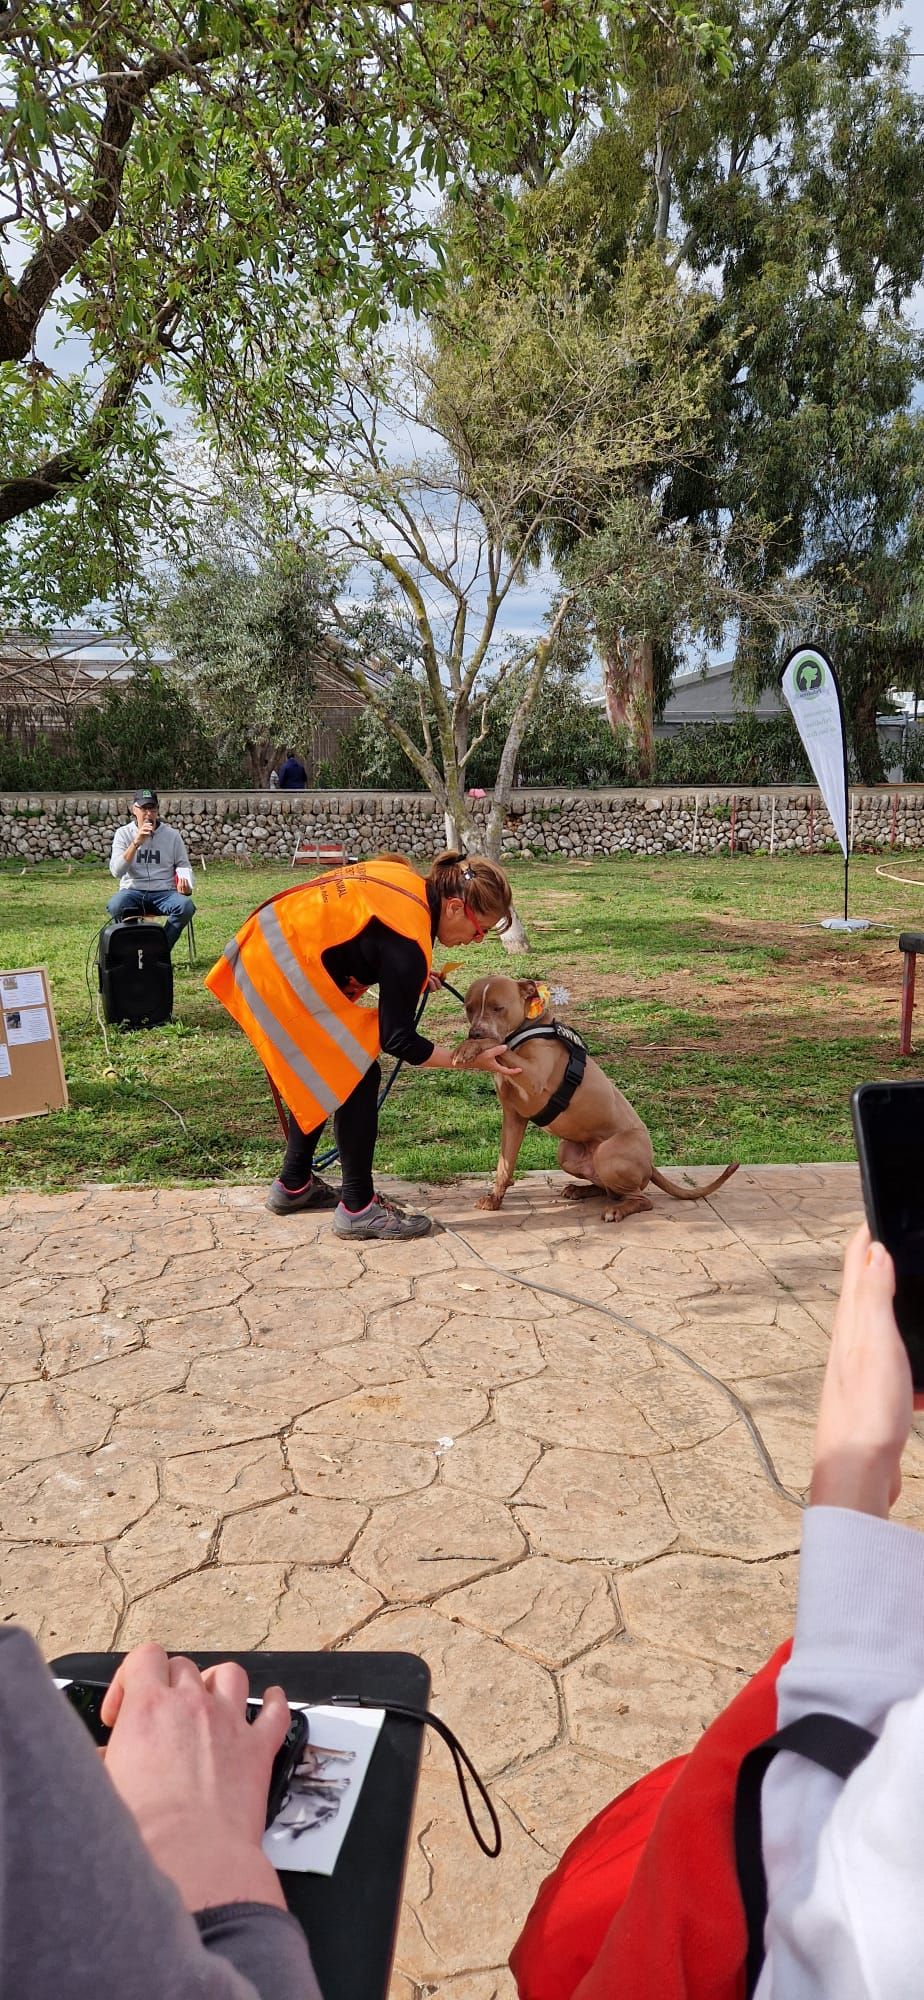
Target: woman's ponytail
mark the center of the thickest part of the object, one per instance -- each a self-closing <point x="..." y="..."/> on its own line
<point x="479" y="883"/>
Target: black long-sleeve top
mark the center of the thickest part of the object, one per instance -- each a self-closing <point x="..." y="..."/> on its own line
<point x="379" y="956"/>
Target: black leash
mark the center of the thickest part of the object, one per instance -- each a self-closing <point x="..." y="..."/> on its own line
<point x="327" y="1159"/>
<point x="459" y="1755"/>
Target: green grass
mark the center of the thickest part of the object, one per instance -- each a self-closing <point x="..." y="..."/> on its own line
<point x="736" y="1027"/>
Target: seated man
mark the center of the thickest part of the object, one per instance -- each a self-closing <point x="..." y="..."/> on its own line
<point x="151" y="865"/>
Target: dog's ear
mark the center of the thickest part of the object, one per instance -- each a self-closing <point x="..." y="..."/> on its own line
<point x="535" y="997"/>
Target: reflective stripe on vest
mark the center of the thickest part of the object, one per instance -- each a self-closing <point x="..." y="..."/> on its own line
<point x="314" y="1042"/>
<point x="277" y="1036"/>
<point x="310" y="998"/>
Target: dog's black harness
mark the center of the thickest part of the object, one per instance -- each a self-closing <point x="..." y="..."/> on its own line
<point x="555" y="1031"/>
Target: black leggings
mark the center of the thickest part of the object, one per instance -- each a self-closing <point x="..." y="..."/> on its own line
<point x="356" y="1126"/>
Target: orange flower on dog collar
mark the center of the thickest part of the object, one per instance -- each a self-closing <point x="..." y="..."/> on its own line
<point x="537" y="1007"/>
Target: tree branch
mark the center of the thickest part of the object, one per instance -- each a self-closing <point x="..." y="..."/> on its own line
<point x="22" y="305"/>
<point x="421" y="762"/>
<point x="20" y="495"/>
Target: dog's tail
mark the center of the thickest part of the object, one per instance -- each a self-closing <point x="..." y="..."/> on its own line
<point x="693" y="1193"/>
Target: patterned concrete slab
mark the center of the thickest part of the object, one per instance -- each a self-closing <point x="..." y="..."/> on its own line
<point x="520" y="1448"/>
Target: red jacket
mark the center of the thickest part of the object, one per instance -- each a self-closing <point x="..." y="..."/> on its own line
<point x="644" y="1904"/>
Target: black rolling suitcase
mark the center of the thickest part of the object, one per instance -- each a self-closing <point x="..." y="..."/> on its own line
<point x="135" y="974"/>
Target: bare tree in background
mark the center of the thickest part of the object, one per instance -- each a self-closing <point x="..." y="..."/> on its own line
<point x="446" y="535"/>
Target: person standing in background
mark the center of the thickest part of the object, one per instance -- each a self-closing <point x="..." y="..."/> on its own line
<point x="293" y="776"/>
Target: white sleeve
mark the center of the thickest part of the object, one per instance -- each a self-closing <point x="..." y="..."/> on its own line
<point x="838" y="1856"/>
<point x="181" y="858"/>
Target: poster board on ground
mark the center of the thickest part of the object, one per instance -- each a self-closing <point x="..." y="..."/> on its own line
<point x="31" y="1070"/>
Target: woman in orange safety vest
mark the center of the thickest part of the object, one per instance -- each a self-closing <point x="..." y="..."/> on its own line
<point x="293" y="978"/>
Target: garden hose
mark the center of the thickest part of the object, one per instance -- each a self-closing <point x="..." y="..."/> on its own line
<point x="679" y="1353"/>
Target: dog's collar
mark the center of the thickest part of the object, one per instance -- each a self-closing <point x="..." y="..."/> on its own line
<point x="554" y="1031"/>
<point x="546" y="1031"/>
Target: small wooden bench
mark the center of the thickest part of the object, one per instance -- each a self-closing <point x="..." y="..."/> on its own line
<point x="320" y="854"/>
<point x="909" y="944"/>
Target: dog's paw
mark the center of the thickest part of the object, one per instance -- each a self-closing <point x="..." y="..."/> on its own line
<point x="467" y="1054"/>
<point x="631" y="1204"/>
<point x="488" y="1201"/>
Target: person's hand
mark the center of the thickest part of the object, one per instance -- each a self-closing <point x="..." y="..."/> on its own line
<point x="434" y="983"/>
<point x="195" y="1773"/>
<point x="182" y="882"/>
<point x="867" y="1401"/>
<point x="498" y="1059"/>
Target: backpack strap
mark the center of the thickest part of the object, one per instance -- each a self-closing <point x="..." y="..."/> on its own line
<point x="829" y="1740"/>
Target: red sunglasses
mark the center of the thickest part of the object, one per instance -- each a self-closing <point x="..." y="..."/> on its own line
<point x="472" y="919"/>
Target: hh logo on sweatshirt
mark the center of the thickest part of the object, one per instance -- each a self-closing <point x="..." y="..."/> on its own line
<point x="149" y="854"/>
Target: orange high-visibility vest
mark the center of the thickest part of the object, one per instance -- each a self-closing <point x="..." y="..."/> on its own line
<point x="314" y="1042"/>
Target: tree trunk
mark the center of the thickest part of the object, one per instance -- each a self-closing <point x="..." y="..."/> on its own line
<point x="456" y="830"/>
<point x="628" y="686"/>
<point x="456" y="815"/>
<point x="866" y="738"/>
<point x="515" y="939"/>
<point x="254" y="754"/>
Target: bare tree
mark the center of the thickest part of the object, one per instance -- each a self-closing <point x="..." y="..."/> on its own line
<point x="443" y="486"/>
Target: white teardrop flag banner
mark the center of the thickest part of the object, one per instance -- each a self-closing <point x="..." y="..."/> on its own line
<point x="810" y="686"/>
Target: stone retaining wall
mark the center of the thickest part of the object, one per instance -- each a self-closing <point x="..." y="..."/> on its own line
<point x="244" y="826"/>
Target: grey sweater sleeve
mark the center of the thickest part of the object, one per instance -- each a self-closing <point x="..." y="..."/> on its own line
<point x="122" y="838"/>
<point x="83" y="1911"/>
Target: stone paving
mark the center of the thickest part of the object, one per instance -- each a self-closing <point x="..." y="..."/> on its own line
<point x="222" y="1429"/>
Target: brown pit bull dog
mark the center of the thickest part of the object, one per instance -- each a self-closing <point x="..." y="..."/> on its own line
<point x="602" y="1139"/>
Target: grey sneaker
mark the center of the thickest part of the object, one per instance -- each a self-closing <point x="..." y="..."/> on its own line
<point x="382" y="1222"/>
<point x="316" y="1195"/>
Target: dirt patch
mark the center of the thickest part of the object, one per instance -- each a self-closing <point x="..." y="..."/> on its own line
<point x="812" y="987"/>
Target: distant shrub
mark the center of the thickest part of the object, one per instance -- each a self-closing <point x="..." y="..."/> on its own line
<point x="147" y="731"/>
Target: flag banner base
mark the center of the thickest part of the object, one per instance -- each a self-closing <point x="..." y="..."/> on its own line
<point x="845" y="923"/>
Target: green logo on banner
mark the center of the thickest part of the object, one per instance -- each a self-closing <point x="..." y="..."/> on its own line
<point x="809" y="677"/>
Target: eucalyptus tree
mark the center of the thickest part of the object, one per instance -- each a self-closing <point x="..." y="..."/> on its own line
<point x="783" y="192"/>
